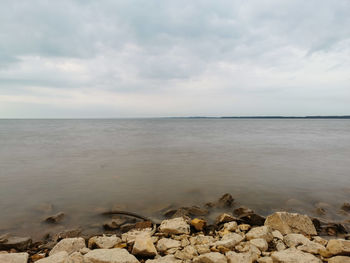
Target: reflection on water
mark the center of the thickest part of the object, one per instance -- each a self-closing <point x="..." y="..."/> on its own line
<point x="84" y="166"/>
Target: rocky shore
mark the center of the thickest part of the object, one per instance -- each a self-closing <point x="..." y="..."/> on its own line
<point x="236" y="235"/>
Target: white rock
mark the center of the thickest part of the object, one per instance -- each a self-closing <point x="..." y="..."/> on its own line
<point x="231" y="226"/>
<point x="167" y="243"/>
<point x="144" y="246"/>
<point x="59" y="257"/>
<point x="260" y="243"/>
<point x="264" y="232"/>
<point x="175" y="226"/>
<point x="246" y="257"/>
<point x="293" y="240"/>
<point x="104" y="241"/>
<point x="229" y="240"/>
<point x="293" y="255"/>
<point x="14" y="258"/>
<point x="114" y="255"/>
<point x="311" y="247"/>
<point x="288" y="223"/>
<point x="130" y="236"/>
<point x="166" y="259"/>
<point x="69" y="245"/>
<point x="212" y="257"/>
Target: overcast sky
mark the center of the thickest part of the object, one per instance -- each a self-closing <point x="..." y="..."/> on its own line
<point x="111" y="58"/>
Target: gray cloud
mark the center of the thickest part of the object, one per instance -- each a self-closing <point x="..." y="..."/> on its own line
<point x="161" y="58"/>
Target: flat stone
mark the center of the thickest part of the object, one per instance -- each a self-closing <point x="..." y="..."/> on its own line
<point x="18" y="243"/>
<point x="288" y="223"/>
<point x="339" y="259"/>
<point x="166" y="259"/>
<point x="166" y="243"/>
<point x="14" y="258"/>
<point x="59" y="257"/>
<point x="229" y="240"/>
<point x="144" y="246"/>
<point x="293" y="255"/>
<point x="175" y="226"/>
<point x="293" y="240"/>
<point x="212" y="257"/>
<point x="104" y="241"/>
<point x="339" y="247"/>
<point x="114" y="255"/>
<point x="69" y="245"/>
<point x="264" y="232"/>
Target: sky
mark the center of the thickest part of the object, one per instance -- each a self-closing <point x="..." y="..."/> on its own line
<point x="147" y="58"/>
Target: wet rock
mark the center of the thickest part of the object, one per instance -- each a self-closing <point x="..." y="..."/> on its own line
<point x="346" y="207"/>
<point x="198" y="224"/>
<point x="264" y="232"/>
<point x="339" y="259"/>
<point x="260" y="243"/>
<point x="114" y="255"/>
<point x="186" y="212"/>
<point x="212" y="257"/>
<point x="4" y="237"/>
<point x="14" y="258"/>
<point x="339" y="247"/>
<point x="252" y="219"/>
<point x="70" y="233"/>
<point x="224" y="218"/>
<point x="68" y="245"/>
<point x="104" y="241"/>
<point x="166" y="243"/>
<point x="127" y="227"/>
<point x="293" y="255"/>
<point x="225" y="201"/>
<point x="144" y="247"/>
<point x="293" y="240"/>
<point x="247" y="257"/>
<point x="243" y="211"/>
<point x="288" y="223"/>
<point x="55" y="219"/>
<point x="174" y="226"/>
<point x="114" y="224"/>
<point x="166" y="259"/>
<point x="13" y="242"/>
<point x="229" y="240"/>
<point x="60" y="257"/>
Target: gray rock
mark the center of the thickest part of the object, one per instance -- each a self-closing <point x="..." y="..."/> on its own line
<point x="114" y="255"/>
<point x="18" y="243"/>
<point x="14" y="258"/>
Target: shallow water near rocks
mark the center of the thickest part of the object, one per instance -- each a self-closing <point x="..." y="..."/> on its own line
<point x="83" y="167"/>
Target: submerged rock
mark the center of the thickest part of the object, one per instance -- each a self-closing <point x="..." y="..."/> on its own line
<point x="288" y="223"/>
<point x="18" y="243"/>
<point x="54" y="219"/>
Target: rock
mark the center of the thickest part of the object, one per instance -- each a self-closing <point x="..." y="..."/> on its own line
<point x="265" y="260"/>
<point x="229" y="240"/>
<point x="174" y="226"/>
<point x="13" y="242"/>
<point x="144" y="247"/>
<point x="14" y="258"/>
<point x="224" y="218"/>
<point x="4" y="237"/>
<point x="201" y="240"/>
<point x="212" y="257"/>
<point x="187" y="253"/>
<point x="76" y="257"/>
<point x="293" y="255"/>
<point x="130" y="236"/>
<point x="346" y="207"/>
<point x="202" y="249"/>
<point x="114" y="255"/>
<point x="244" y="227"/>
<point x="60" y="257"/>
<point x="68" y="234"/>
<point x="311" y="247"/>
<point x="242" y="211"/>
<point x="260" y="243"/>
<point x="54" y="219"/>
<point x="38" y="256"/>
<point x="288" y="223"/>
<point x="320" y="240"/>
<point x="225" y="201"/>
<point x="252" y="219"/>
<point x="114" y="223"/>
<point x="293" y="240"/>
<point x="231" y="226"/>
<point x="277" y="234"/>
<point x="339" y="247"/>
<point x="279" y="245"/>
<point x="127" y="227"/>
<point x="339" y="259"/>
<point x="198" y="224"/>
<point x="68" y="245"/>
<point x="166" y="243"/>
<point x="246" y="257"/>
<point x="104" y="241"/>
<point x="84" y="250"/>
<point x="166" y="259"/>
<point x="197" y="211"/>
<point x="264" y="232"/>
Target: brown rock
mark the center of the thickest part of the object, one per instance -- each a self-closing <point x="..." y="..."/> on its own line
<point x="54" y="219"/>
<point x="198" y="224"/>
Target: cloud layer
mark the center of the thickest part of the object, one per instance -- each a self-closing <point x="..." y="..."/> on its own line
<point x="148" y="58"/>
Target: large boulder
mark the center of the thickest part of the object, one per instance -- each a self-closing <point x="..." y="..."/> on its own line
<point x="288" y="223"/>
<point x="339" y="247"/>
<point x="175" y="226"/>
<point x="14" y="258"/>
<point x="69" y="245"/>
<point x="293" y="255"/>
<point x="114" y="255"/>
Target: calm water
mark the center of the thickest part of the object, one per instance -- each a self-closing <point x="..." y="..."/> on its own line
<point x="84" y="166"/>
